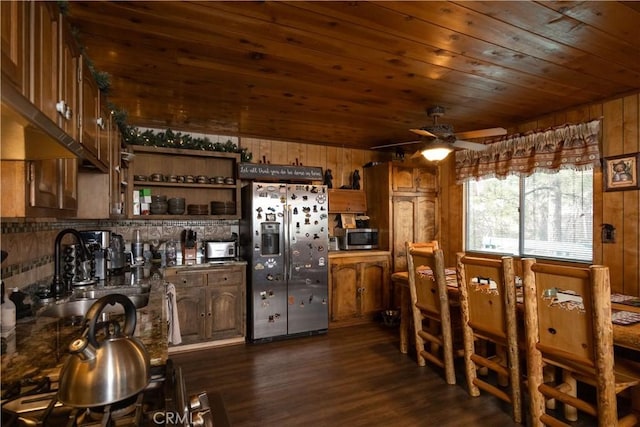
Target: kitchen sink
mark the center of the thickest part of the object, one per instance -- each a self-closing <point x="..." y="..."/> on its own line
<point x="82" y="299"/>
<point x="99" y="292"/>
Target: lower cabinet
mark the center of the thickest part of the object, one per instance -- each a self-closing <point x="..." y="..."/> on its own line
<point x="210" y="301"/>
<point x="360" y="285"/>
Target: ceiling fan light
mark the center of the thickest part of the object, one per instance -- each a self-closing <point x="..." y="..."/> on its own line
<point x="436" y="151"/>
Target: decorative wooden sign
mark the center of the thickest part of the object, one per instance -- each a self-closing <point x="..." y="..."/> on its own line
<point x="279" y="172"/>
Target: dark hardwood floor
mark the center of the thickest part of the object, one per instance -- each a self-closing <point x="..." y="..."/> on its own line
<point x="352" y="376"/>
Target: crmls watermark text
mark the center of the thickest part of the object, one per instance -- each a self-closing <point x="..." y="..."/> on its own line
<point x="172" y="418"/>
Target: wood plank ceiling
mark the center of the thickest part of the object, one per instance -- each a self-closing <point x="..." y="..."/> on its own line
<point x="356" y="74"/>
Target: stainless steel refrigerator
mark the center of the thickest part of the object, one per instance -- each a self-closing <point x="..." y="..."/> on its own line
<point x="283" y="237"/>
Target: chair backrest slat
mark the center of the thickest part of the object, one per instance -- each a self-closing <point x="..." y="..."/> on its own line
<point x="484" y="288"/>
<point x="426" y="270"/>
<point x="564" y="300"/>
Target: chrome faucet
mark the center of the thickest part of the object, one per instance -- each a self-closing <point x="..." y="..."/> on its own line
<point x="59" y="287"/>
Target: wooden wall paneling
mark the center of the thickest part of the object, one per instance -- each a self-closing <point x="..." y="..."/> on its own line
<point x="613" y="202"/>
<point x="450" y="205"/>
<point x="357" y="160"/>
<point x="333" y="162"/>
<point x="317" y="156"/>
<point x="343" y="175"/>
<point x="265" y="151"/>
<point x="595" y="111"/>
<point x="631" y="202"/>
<point x="279" y="152"/>
<point x="297" y="154"/>
<point x="546" y="121"/>
<point x="578" y="115"/>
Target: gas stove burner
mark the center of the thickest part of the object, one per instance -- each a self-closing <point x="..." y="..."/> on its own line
<point x="118" y="410"/>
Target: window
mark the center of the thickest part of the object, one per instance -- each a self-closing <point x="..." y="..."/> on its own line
<point x="545" y="215"/>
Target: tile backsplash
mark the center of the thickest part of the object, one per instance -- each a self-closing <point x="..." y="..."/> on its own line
<point x="30" y="244"/>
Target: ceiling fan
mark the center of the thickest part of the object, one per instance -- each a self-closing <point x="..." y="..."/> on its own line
<point x="439" y="139"/>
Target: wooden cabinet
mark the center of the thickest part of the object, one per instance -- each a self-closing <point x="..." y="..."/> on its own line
<point x="211" y="302"/>
<point x="44" y="58"/>
<point x="53" y="186"/>
<point x="413" y="221"/>
<point x="347" y="201"/>
<point x="182" y="164"/>
<point x="88" y="134"/>
<point x="412" y="179"/>
<point x="15" y="43"/>
<point x="109" y="186"/>
<point x="68" y="100"/>
<point x="359" y="286"/>
<point x="402" y="205"/>
<point x="40" y="188"/>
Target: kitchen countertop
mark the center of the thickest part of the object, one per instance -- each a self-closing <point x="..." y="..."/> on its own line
<point x="39" y="346"/>
<point x="364" y="252"/>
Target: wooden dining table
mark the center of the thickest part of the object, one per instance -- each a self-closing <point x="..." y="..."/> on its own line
<point x="627" y="336"/>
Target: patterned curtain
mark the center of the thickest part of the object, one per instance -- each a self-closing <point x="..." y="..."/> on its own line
<point x="564" y="147"/>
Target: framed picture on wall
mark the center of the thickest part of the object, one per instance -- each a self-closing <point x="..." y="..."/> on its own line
<point x="621" y="172"/>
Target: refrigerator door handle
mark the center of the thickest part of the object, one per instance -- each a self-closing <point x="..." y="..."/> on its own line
<point x="287" y="242"/>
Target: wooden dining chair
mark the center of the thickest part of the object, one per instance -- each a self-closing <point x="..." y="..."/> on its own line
<point x="488" y="305"/>
<point x="432" y="324"/>
<point x="568" y="325"/>
<point x="400" y="281"/>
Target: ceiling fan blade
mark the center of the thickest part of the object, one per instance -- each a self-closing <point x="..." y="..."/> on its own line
<point x="397" y="144"/>
<point x="468" y="145"/>
<point x="481" y="133"/>
<point x="417" y="154"/>
<point x="423" y="132"/>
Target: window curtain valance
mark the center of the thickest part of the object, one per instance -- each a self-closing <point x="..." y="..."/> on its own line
<point x="570" y="146"/>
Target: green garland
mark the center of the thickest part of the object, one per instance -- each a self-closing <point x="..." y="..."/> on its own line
<point x="171" y="139"/>
<point x="133" y="136"/>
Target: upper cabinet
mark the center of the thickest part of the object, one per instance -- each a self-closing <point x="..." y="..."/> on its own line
<point x="68" y="99"/>
<point x="14" y="15"/>
<point x="347" y="201"/>
<point x="46" y="89"/>
<point x="50" y="114"/>
<point x="44" y="77"/>
<point x="408" y="179"/>
<point x="88" y="120"/>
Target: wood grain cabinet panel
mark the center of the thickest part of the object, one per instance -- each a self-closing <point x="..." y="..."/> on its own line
<point x="88" y="120"/>
<point x="211" y="302"/>
<point x="359" y="286"/>
<point x="15" y="43"/>
<point x="68" y="100"/>
<point x="402" y="205"/>
<point x="44" y="58"/>
<point x="413" y="179"/>
<point x="347" y="201"/>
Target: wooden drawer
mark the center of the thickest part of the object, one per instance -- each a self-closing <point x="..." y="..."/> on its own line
<point x="225" y="277"/>
<point x="188" y="279"/>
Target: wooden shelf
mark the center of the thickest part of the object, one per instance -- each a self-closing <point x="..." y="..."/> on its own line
<point x="180" y="162"/>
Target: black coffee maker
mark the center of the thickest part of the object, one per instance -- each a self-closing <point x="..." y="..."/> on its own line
<point x="97" y="243"/>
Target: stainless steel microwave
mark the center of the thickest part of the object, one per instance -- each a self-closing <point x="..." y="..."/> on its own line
<point x="356" y="238"/>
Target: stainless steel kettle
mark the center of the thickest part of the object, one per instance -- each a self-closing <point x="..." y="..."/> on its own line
<point x="102" y="373"/>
